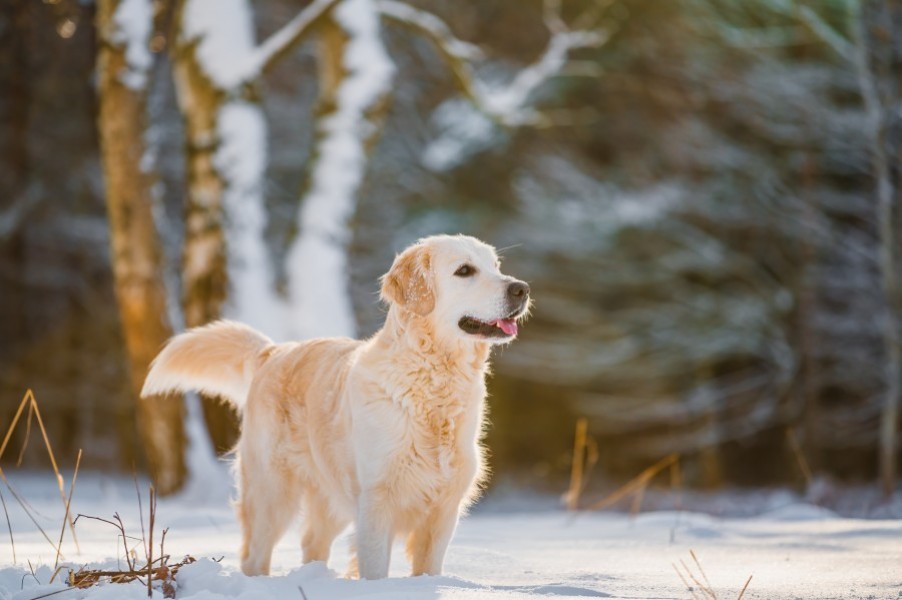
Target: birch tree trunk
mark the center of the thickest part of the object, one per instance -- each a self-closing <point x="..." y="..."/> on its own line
<point x="204" y="276"/>
<point x="880" y="78"/>
<point x="123" y="63"/>
<point x="355" y="78"/>
<point x="226" y="268"/>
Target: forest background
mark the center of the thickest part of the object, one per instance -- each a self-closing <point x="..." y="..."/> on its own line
<point x="702" y="194"/>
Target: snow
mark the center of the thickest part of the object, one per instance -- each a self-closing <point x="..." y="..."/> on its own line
<point x="512" y="100"/>
<point x="469" y="127"/>
<point x="254" y="64"/>
<point x="132" y="23"/>
<point x="404" y="12"/>
<point x="225" y="34"/>
<point x="508" y="549"/>
<point x="241" y="158"/>
<point x="317" y="263"/>
<point x="463" y="131"/>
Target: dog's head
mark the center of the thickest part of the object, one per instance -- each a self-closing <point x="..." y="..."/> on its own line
<point x="456" y="283"/>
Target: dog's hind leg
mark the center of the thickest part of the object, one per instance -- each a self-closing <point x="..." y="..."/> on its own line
<point x="269" y="500"/>
<point x="320" y="527"/>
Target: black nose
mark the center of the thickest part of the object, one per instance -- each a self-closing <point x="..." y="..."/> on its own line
<point x="517" y="291"/>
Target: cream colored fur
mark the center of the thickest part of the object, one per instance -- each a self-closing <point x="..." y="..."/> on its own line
<point x="384" y="433"/>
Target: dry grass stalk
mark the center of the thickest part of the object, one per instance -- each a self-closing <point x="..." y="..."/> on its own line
<point x="585" y="455"/>
<point x="676" y="484"/>
<point x="700" y="589"/>
<point x="638" y="484"/>
<point x="799" y="455"/>
<point x="153" y="570"/>
<point x="9" y="526"/>
<point x="577" y="468"/>
<point x="25" y="507"/>
<point x="744" y="588"/>
<point x="700" y="569"/>
<point x="684" y="580"/>
<point x="159" y="571"/>
<point x="27" y="435"/>
<point x="28" y="400"/>
<point x="68" y="505"/>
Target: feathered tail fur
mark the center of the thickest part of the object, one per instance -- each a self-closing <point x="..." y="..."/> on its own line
<point x="218" y="359"/>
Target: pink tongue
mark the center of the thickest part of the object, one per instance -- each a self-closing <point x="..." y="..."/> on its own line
<point x="508" y="326"/>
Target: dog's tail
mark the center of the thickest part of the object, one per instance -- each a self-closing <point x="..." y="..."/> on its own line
<point x="219" y="359"/>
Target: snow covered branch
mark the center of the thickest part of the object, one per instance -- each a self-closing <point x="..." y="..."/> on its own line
<point x="12" y="217"/>
<point x="457" y="53"/>
<point x="508" y="105"/>
<point x="812" y="20"/>
<point x="474" y="122"/>
<point x="284" y="40"/>
<point x="827" y="34"/>
<point x="131" y="25"/>
<point x="234" y="62"/>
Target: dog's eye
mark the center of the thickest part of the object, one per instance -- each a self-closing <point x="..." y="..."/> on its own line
<point x="465" y="271"/>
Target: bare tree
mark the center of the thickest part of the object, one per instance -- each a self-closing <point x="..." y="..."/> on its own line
<point x="226" y="268"/>
<point x="879" y="61"/>
<point x="875" y="53"/>
<point x="123" y="66"/>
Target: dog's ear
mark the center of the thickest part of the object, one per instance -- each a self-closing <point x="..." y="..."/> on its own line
<point x="409" y="281"/>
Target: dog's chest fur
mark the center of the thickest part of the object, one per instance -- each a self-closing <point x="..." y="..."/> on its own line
<point x="437" y="404"/>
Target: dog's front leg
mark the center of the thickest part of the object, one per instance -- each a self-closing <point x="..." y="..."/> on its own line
<point x="374" y="537"/>
<point x="427" y="543"/>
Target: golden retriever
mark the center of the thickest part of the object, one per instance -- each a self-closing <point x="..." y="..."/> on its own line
<point x="384" y="433"/>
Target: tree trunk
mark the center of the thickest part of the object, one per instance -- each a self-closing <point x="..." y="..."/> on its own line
<point x="355" y="79"/>
<point x="226" y="268"/>
<point x="136" y="252"/>
<point x="204" y="261"/>
<point x="880" y="78"/>
<point x="14" y="164"/>
<point x="14" y="45"/>
<point x="806" y="292"/>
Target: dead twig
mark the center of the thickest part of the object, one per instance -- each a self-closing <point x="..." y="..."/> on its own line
<point x="27" y="435"/>
<point x="25" y="507"/>
<point x="638" y="483"/>
<point x="29" y="400"/>
<point x="700" y="587"/>
<point x="576" y="471"/>
<point x="154" y="569"/>
<point x="799" y="456"/>
<point x="68" y="504"/>
<point x="585" y="455"/>
<point x="152" y="517"/>
<point x="9" y="526"/>
<point x="85" y="578"/>
<point x="118" y="525"/>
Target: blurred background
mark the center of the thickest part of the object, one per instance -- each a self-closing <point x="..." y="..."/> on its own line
<point x="701" y="194"/>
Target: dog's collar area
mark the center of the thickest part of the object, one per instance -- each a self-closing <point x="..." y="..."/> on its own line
<point x="499" y="328"/>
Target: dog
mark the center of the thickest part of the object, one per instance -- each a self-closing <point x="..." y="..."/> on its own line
<point x="385" y="433"/>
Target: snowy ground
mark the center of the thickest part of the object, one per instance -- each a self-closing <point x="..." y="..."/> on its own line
<point x="793" y="551"/>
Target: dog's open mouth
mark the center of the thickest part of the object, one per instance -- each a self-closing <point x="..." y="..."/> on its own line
<point x="496" y="328"/>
